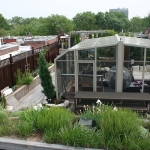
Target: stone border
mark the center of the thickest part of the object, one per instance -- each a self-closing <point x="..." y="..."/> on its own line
<point x="12" y="144"/>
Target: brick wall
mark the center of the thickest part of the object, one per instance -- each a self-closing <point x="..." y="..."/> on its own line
<point x="9" y="40"/>
<point x="34" y="44"/>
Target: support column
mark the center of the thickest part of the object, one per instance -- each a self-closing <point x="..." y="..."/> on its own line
<point x="119" y="67"/>
<point x="33" y="59"/>
<point x="11" y="69"/>
<point x="68" y="41"/>
<point x="143" y="70"/>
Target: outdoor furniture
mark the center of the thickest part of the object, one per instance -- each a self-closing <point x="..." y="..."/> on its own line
<point x="137" y="72"/>
<point x="146" y="89"/>
<point x="113" y="97"/>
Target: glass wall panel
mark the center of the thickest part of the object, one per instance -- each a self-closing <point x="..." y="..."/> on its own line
<point x="148" y="56"/>
<point x="103" y="69"/>
<point x="133" y="53"/>
<point x="106" y="53"/>
<point x="85" y="76"/>
<point x="86" y="54"/>
<point x="68" y="56"/>
<point x="65" y="79"/>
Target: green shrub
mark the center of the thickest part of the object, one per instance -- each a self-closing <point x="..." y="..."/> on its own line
<point x="25" y="129"/>
<point x="23" y="78"/>
<point x="99" y="34"/>
<point x="120" y="129"/>
<point x="78" y="135"/>
<point x="53" y="118"/>
<point x="3" y="117"/>
<point x="90" y="36"/>
<point x="29" y="115"/>
<point x="18" y="76"/>
<point x="5" y="130"/>
<point x="27" y="78"/>
<point x="111" y="32"/>
<point x="3" y="102"/>
<point x="15" y="114"/>
<point x="35" y="73"/>
<point x="50" y="136"/>
<point x="27" y="122"/>
<point x="14" y="87"/>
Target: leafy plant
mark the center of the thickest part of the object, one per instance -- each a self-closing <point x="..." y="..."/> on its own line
<point x="35" y="73"/>
<point x="120" y="129"/>
<point x="95" y="113"/>
<point x="24" y="129"/>
<point x="3" y="101"/>
<point x="5" y="130"/>
<point x="18" y="76"/>
<point x="3" y="117"/>
<point x="50" y="136"/>
<point x="77" y="135"/>
<point x="46" y="79"/>
<point x="27" y="123"/>
<point x="23" y="78"/>
<point x="27" y="78"/>
<point x="53" y="118"/>
<point x="49" y="64"/>
<point x="90" y="36"/>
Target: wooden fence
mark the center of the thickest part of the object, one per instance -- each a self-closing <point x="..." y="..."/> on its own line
<point x="23" y="61"/>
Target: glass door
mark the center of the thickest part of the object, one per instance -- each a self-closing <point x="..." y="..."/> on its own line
<point x="85" y="76"/>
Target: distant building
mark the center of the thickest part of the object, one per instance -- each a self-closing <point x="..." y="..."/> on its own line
<point x="124" y="10"/>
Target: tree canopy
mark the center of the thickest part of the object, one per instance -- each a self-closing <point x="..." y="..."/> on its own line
<point x="114" y="21"/>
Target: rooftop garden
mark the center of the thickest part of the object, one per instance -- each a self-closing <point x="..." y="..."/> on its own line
<point x="111" y="128"/>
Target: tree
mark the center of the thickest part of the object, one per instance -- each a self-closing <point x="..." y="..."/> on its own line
<point x="146" y="22"/>
<point x="85" y="21"/>
<point x="100" y="21"/>
<point x="15" y="20"/>
<point x="55" y="23"/>
<point x="3" y="23"/>
<point x="136" y="24"/>
<point x="46" y="79"/>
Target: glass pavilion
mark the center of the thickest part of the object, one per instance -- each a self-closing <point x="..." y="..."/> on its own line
<point x="88" y="65"/>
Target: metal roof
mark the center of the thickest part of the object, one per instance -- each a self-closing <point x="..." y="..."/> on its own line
<point x="111" y="41"/>
<point x="136" y="42"/>
<point x="97" y="42"/>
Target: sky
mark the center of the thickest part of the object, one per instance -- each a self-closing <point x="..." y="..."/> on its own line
<point x="69" y="8"/>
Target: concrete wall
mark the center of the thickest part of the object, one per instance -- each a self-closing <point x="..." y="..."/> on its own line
<point x="8" y="50"/>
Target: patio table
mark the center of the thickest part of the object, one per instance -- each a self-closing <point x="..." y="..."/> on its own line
<point x="118" y="97"/>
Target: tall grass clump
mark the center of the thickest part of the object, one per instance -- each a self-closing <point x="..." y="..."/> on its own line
<point x="3" y="117"/>
<point x="120" y="129"/>
<point x="51" y="120"/>
<point x="5" y="127"/>
<point x="26" y="125"/>
<point x="78" y="135"/>
<point x="23" y="78"/>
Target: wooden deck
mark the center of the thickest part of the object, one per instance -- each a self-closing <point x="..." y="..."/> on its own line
<point x="139" y="101"/>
